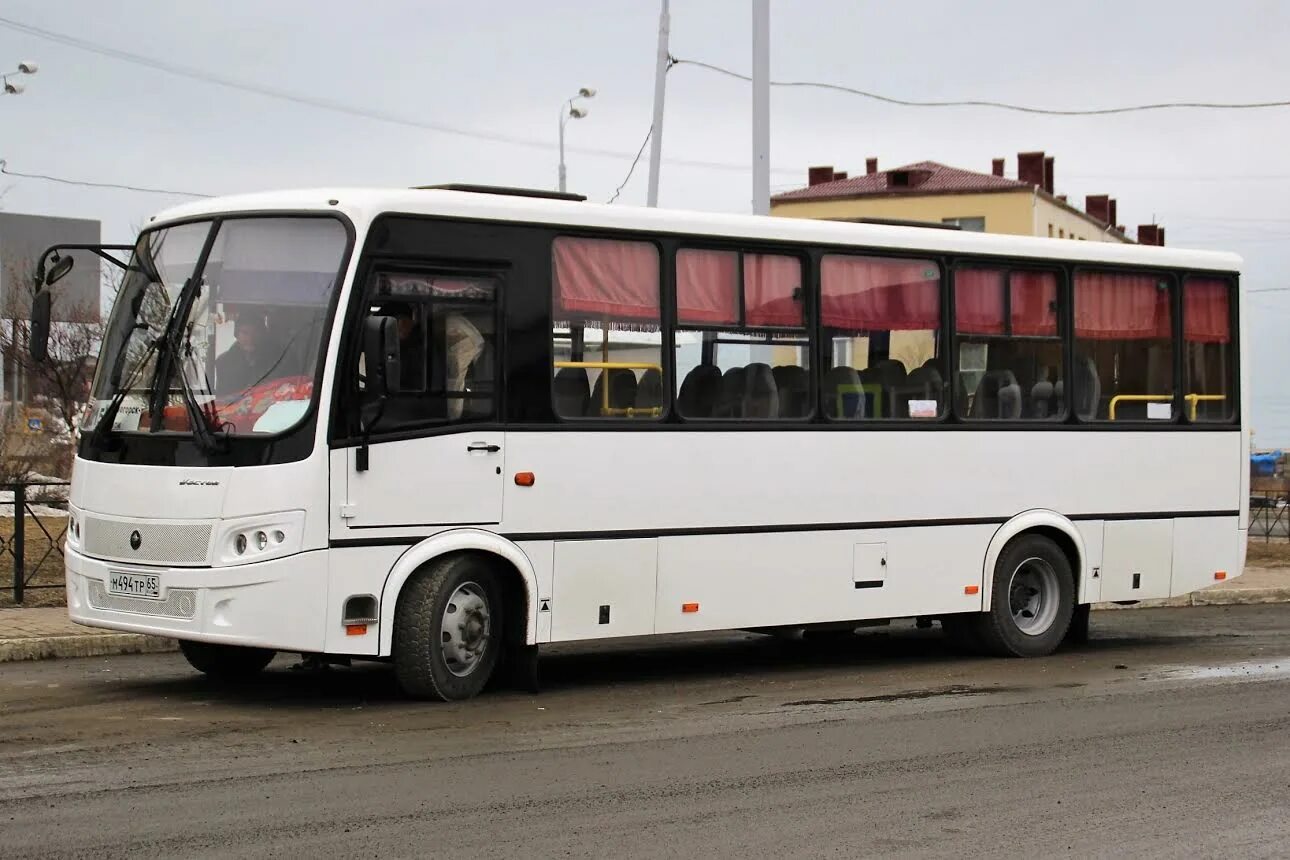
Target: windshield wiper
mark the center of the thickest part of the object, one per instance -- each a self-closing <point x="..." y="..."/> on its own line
<point x="200" y="419"/>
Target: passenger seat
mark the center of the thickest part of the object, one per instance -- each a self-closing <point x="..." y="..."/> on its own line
<point x="841" y="393"/>
<point x="572" y="392"/>
<point x="794" y="385"/>
<point x="699" y="392"/>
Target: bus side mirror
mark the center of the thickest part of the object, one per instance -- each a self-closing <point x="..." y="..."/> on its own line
<point x="381" y="355"/>
<point x="58" y="271"/>
<point x="41" y="310"/>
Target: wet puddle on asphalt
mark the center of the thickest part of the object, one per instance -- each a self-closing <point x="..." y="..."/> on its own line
<point x="1260" y="670"/>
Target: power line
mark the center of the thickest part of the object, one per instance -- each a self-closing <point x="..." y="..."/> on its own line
<point x="214" y="79"/>
<point x="4" y="169"/>
<point x="985" y="103"/>
<point x="632" y="169"/>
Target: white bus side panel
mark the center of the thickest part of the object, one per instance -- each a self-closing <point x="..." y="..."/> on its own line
<point x="1202" y="548"/>
<point x="756" y="580"/>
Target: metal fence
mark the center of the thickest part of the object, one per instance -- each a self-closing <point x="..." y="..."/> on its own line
<point x="1270" y="515"/>
<point x="37" y="516"/>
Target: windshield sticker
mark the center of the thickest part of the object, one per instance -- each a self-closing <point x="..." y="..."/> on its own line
<point x="281" y="416"/>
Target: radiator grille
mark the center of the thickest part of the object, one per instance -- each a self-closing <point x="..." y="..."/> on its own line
<point x="157" y="543"/>
<point x="179" y="602"/>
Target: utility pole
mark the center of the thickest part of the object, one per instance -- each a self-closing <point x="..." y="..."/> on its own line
<point x="761" y="106"/>
<point x="660" y="88"/>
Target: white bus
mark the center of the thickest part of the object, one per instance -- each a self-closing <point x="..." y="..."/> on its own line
<point x="446" y="426"/>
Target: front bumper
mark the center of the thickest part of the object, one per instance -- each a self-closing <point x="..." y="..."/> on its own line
<point x="279" y="604"/>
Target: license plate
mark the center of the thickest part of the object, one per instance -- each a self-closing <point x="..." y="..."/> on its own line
<point x="135" y="585"/>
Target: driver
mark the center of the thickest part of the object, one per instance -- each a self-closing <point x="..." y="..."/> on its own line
<point x="244" y="363"/>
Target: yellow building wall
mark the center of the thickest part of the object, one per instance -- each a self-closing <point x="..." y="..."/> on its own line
<point x="1011" y="212"/>
<point x="1057" y="222"/>
<point x="1019" y="213"/>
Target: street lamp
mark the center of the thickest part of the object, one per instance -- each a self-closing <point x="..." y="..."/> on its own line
<point x="569" y="111"/>
<point x="12" y="88"/>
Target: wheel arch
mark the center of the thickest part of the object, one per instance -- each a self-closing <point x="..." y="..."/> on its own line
<point x="1051" y="525"/>
<point x="505" y="555"/>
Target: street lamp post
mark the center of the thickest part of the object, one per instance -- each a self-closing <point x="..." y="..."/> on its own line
<point x="12" y="88"/>
<point x="568" y="111"/>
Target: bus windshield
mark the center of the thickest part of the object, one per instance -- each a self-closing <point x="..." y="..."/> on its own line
<point x="253" y="294"/>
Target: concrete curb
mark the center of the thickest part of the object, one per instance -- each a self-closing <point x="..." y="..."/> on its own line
<point x="112" y="644"/>
<point x="1211" y="597"/>
<point x="83" y="645"/>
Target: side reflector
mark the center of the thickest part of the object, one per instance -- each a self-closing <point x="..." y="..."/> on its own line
<point x="355" y="629"/>
<point x="525" y="479"/>
<point x="689" y="607"/>
<point x="1220" y="574"/>
<point x="971" y="589"/>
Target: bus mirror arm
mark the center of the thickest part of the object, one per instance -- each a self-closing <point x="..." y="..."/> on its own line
<point x="383" y="377"/>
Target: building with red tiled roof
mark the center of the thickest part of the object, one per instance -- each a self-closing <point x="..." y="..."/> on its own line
<point x="931" y="192"/>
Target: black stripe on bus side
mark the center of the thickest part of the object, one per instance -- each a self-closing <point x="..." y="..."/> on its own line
<point x="623" y="534"/>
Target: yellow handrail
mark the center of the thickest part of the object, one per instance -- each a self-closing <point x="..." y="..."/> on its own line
<point x="1191" y="399"/>
<point x="605" y="408"/>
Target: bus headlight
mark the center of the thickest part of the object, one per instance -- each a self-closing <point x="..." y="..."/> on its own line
<point x="73" y="527"/>
<point x="260" y="538"/>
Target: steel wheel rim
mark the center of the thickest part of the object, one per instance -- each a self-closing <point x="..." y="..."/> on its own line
<point x="465" y="629"/>
<point x="1033" y="596"/>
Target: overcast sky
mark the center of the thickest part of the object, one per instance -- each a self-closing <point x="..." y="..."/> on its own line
<point x="1215" y="179"/>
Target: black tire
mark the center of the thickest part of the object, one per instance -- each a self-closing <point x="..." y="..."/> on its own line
<point x="1027" y="559"/>
<point x="225" y="662"/>
<point x="425" y="666"/>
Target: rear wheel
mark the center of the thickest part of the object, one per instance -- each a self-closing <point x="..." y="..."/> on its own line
<point x="1032" y="602"/>
<point x="225" y="662"/>
<point x="448" y="630"/>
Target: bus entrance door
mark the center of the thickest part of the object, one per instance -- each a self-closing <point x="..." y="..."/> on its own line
<point x="454" y="479"/>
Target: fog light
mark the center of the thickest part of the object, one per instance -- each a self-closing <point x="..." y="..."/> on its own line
<point x="279" y="537"/>
<point x="239" y="544"/>
<point x="261" y="541"/>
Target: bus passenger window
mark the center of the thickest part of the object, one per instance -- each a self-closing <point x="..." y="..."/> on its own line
<point x="447" y="334"/>
<point x="1208" y="350"/>
<point x="1009" y="345"/>
<point x="883" y="316"/>
<point x="742" y="349"/>
<point x="607" y="330"/>
<point x="1124" y="356"/>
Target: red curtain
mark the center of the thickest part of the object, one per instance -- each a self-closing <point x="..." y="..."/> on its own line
<point x="879" y="294"/>
<point x="978" y="301"/>
<point x="1206" y="317"/>
<point x="1112" y="306"/>
<point x="1034" y="303"/>
<point x="605" y="279"/>
<point x="707" y="284"/>
<point x="773" y="291"/>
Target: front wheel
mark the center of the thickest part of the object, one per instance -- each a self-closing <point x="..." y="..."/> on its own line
<point x="1032" y="602"/>
<point x="225" y="662"/>
<point x="448" y="630"/>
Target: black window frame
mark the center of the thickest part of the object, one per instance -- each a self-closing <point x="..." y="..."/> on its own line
<point x="1232" y="282"/>
<point x="1065" y="331"/>
<point x="944" y="339"/>
<point x="1175" y="278"/>
<point x="654" y="241"/>
<point x="810" y="292"/>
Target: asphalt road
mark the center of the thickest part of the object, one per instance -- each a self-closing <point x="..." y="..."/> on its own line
<point x="1168" y="735"/>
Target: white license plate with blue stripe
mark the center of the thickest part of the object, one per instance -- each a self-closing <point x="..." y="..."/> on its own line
<point x="147" y="586"/>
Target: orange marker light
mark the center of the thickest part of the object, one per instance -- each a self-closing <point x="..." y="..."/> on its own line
<point x="1220" y="574"/>
<point x="689" y="607"/>
<point x="971" y="589"/>
<point x="355" y="629"/>
<point x="525" y="479"/>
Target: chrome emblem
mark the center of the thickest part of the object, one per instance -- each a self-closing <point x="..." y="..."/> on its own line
<point x="136" y="539"/>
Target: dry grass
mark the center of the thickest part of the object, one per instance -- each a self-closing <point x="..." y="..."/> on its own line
<point x="1274" y="553"/>
<point x="44" y="563"/>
